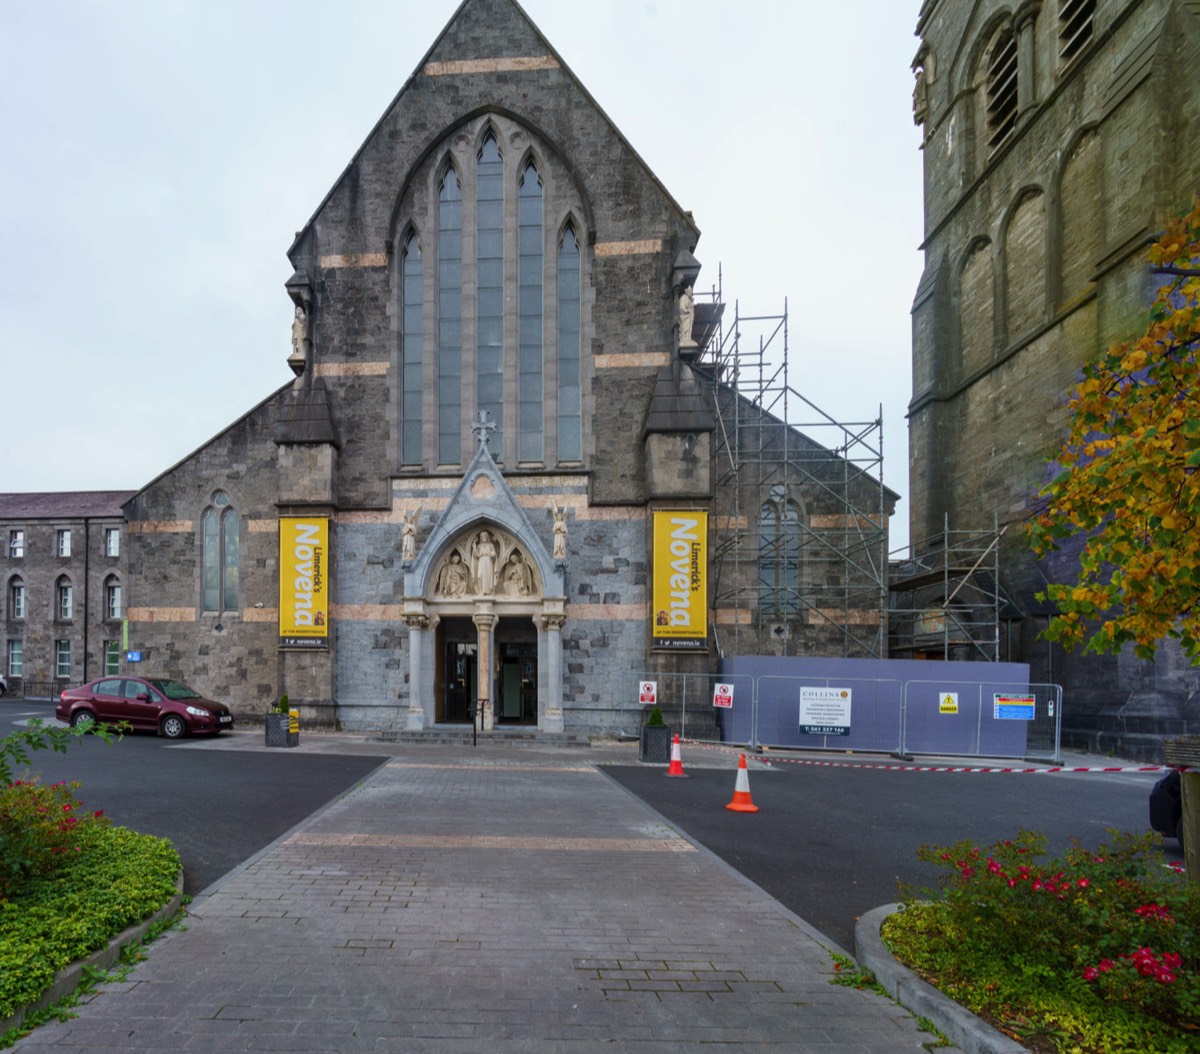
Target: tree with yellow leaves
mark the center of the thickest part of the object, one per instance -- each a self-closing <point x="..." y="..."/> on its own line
<point x="1129" y="485"/>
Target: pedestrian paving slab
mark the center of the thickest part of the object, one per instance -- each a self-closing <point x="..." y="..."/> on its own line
<point x="456" y="902"/>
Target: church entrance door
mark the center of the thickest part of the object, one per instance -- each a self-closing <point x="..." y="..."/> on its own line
<point x="517" y="687"/>
<point x="458" y="671"/>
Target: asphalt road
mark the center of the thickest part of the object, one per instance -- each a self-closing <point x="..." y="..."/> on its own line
<point x="219" y="807"/>
<point x="832" y="843"/>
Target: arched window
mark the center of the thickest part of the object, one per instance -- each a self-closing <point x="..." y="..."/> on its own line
<point x="570" y="392"/>
<point x="16" y="597"/>
<point x="779" y="556"/>
<point x="450" y="320"/>
<point x="219" y="544"/>
<point x="64" y="592"/>
<point x="529" y="315"/>
<point x="1074" y="26"/>
<point x="112" y="598"/>
<point x="489" y="280"/>
<point x="413" y="369"/>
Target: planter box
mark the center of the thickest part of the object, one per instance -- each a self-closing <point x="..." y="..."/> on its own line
<point x="278" y="731"/>
<point x="656" y="743"/>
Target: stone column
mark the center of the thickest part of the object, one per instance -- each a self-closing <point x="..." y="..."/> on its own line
<point x="551" y="717"/>
<point x="485" y="622"/>
<point x="1026" y="22"/>
<point x="417" y="625"/>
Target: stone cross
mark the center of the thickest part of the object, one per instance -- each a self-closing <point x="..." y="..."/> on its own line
<point x="483" y="427"/>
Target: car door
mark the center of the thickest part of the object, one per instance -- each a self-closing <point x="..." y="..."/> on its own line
<point x="140" y="704"/>
<point x="108" y="697"/>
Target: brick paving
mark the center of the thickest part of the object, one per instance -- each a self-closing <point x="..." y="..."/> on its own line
<point x="464" y="905"/>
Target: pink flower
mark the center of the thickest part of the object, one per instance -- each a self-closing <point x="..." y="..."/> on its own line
<point x="1083" y="883"/>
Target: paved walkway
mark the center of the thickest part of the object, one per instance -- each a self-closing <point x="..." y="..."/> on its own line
<point x="462" y="901"/>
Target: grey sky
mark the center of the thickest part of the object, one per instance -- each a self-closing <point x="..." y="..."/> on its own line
<point x="160" y="154"/>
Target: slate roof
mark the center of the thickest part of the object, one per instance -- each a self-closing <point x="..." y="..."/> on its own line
<point x="64" y="504"/>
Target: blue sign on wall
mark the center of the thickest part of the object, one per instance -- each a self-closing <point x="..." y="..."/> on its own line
<point x="133" y="656"/>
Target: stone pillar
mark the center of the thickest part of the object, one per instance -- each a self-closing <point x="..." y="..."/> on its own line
<point x="1026" y="23"/>
<point x="550" y="719"/>
<point x="485" y="622"/>
<point x="418" y="626"/>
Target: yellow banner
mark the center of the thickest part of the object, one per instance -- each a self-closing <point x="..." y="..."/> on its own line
<point x="303" y="581"/>
<point x="679" y="614"/>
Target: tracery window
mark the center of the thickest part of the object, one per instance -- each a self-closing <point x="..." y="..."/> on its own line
<point x="779" y="556"/>
<point x="475" y="243"/>
<point x="219" y="547"/>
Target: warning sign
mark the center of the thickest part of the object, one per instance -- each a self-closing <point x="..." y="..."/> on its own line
<point x="723" y="695"/>
<point x="948" y="703"/>
<point x="648" y="693"/>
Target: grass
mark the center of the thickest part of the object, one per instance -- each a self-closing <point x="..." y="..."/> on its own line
<point x="1095" y="952"/>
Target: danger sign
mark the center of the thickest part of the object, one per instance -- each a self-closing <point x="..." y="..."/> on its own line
<point x="648" y="693"/>
<point x="723" y="695"/>
<point x="948" y="703"/>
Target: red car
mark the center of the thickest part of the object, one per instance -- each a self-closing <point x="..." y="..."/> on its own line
<point x="168" y="707"/>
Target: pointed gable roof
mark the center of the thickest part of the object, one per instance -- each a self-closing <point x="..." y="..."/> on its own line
<point x="472" y="47"/>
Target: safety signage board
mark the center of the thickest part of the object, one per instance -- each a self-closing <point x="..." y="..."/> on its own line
<point x="648" y="693"/>
<point x="1013" y="707"/>
<point x="723" y="695"/>
<point x="825" y="711"/>
<point x="948" y="703"/>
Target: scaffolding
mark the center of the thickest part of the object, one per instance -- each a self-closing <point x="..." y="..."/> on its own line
<point x="946" y="597"/>
<point x="817" y="583"/>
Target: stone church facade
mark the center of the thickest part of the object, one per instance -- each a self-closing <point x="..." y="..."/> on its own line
<point x="1059" y="136"/>
<point x="498" y="406"/>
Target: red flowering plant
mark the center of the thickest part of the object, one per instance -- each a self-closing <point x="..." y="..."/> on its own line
<point x="1101" y="946"/>
<point x="41" y="825"/>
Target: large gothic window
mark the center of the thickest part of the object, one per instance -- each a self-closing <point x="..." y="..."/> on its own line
<point x="779" y="556"/>
<point x="219" y="548"/>
<point x="501" y="266"/>
<point x="450" y="280"/>
<point x="570" y="403"/>
<point x="412" y="370"/>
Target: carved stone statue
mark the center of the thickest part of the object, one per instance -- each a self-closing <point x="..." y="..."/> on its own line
<point x="560" y="532"/>
<point x="516" y="578"/>
<point x="687" y="317"/>
<point x="452" y="578"/>
<point x="920" y="99"/>
<point x="408" y="544"/>
<point x="483" y="561"/>
<point x="299" y="356"/>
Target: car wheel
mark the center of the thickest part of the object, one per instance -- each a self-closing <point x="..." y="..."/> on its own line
<point x="173" y="726"/>
<point x="82" y="718"/>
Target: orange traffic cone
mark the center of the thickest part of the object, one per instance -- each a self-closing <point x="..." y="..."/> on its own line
<point x="741" y="790"/>
<point x="676" y="767"/>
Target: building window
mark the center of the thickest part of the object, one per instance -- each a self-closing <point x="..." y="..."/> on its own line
<point x="112" y="657"/>
<point x="529" y="316"/>
<point x="62" y="659"/>
<point x="413" y="367"/>
<point x="219" y="544"/>
<point x="63" y="542"/>
<point x="1002" y="89"/>
<point x="16" y="599"/>
<point x="779" y="556"/>
<point x="1074" y="26"/>
<point x="16" y="544"/>
<point x="489" y="279"/>
<point x="112" y="541"/>
<point x="65" y="592"/>
<point x="450" y="320"/>
<point x="112" y="598"/>
<point x="15" y="659"/>
<point x="570" y="391"/>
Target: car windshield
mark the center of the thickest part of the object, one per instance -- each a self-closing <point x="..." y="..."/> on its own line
<point x="175" y="690"/>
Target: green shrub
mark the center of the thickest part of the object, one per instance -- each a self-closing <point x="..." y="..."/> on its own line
<point x="655" y="719"/>
<point x="41" y="826"/>
<point x="118" y="879"/>
<point x="1099" y="949"/>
